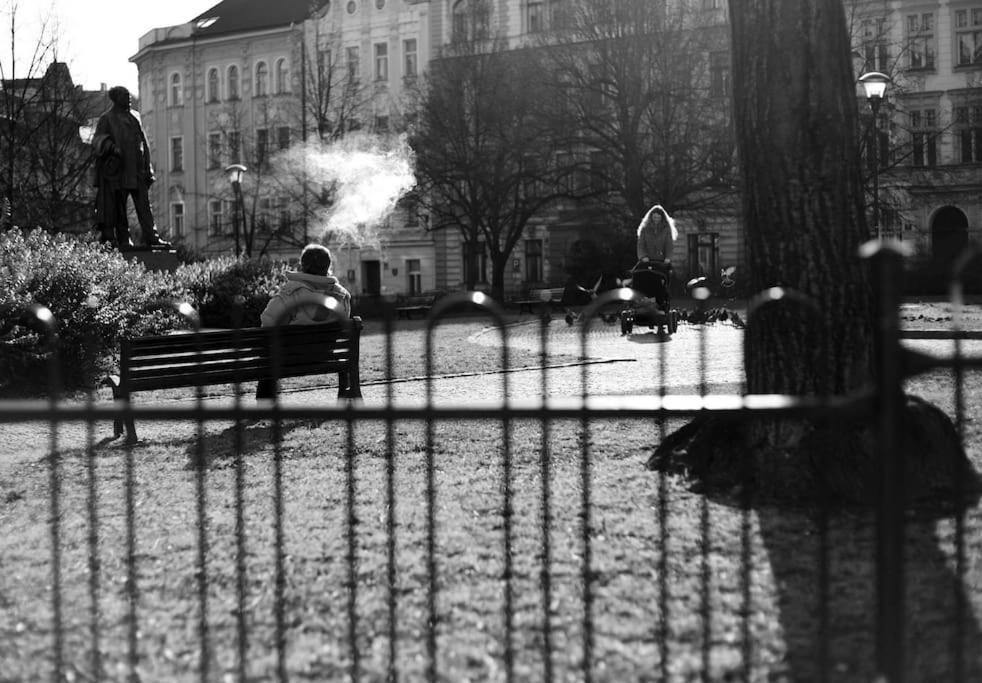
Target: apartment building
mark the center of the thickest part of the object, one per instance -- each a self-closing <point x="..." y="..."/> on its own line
<point x="246" y="81"/>
<point x="930" y="126"/>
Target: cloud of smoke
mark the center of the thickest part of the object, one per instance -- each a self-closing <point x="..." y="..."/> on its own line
<point x="363" y="176"/>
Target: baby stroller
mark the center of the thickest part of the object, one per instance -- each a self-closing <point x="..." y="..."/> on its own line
<point x="651" y="280"/>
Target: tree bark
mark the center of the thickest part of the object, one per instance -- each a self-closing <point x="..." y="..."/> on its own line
<point x="796" y="123"/>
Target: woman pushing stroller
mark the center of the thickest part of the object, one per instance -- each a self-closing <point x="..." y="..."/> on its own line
<point x="650" y="276"/>
<point x="656" y="236"/>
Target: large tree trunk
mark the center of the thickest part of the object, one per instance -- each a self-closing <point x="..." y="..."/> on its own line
<point x="796" y="125"/>
<point x="796" y="120"/>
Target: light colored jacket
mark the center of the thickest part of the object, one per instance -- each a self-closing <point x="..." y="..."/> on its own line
<point x="299" y="284"/>
<point x="655" y="241"/>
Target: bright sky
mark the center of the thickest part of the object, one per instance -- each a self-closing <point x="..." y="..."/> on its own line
<point x="96" y="37"/>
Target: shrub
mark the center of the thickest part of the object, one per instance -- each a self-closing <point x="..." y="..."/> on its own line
<point x="96" y="296"/>
<point x="215" y="288"/>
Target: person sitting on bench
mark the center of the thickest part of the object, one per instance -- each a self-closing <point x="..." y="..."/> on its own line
<point x="314" y="278"/>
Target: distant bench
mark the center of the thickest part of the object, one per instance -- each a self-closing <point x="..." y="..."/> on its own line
<point x="551" y="296"/>
<point x="229" y="356"/>
<point x="407" y="306"/>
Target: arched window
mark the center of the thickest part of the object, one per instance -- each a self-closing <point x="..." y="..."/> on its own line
<point x="459" y="30"/>
<point x="281" y="76"/>
<point x="176" y="94"/>
<point x="213" y="85"/>
<point x="233" y="82"/>
<point x="262" y="79"/>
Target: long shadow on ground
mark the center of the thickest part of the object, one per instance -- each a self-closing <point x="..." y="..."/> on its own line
<point x="829" y="615"/>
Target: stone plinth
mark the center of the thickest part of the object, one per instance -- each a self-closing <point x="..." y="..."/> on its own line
<point x="154" y="259"/>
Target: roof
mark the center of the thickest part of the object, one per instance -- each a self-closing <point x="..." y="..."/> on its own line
<point x="234" y="16"/>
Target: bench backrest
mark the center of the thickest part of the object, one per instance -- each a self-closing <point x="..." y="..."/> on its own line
<point x="228" y="356"/>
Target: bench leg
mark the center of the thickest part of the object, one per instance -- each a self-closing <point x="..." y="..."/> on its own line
<point x="120" y="424"/>
<point x="349" y="385"/>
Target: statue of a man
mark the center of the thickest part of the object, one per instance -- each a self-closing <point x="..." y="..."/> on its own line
<point x="123" y="170"/>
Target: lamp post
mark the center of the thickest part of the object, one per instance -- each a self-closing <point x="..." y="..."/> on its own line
<point x="875" y="86"/>
<point x="235" y="172"/>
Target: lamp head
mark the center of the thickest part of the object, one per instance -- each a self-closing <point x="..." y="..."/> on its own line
<point x="875" y="85"/>
<point x="234" y="172"/>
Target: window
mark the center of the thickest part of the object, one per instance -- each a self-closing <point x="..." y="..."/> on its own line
<point x="382" y="124"/>
<point x="920" y="40"/>
<point x="412" y="212"/>
<point x="703" y="254"/>
<point x="409" y="58"/>
<point x="177" y="154"/>
<point x="719" y="74"/>
<point x="968" y="133"/>
<point x="234" y="147"/>
<point x="216" y="214"/>
<point x="414" y="271"/>
<point x="923" y="134"/>
<point x="262" y="79"/>
<point x="874" y="47"/>
<point x="213" y="85"/>
<point x="471" y="19"/>
<point x="325" y="67"/>
<point x="176" y="92"/>
<point x="351" y="59"/>
<point x="177" y="218"/>
<point x="262" y="147"/>
<point x="282" y="137"/>
<point x="282" y="77"/>
<point x="475" y="261"/>
<point x="598" y="172"/>
<point x="381" y="61"/>
<point x="262" y="214"/>
<point x="214" y="150"/>
<point x="533" y="261"/>
<point x="711" y="4"/>
<point x="284" y="222"/>
<point x="233" y="82"/>
<point x="532" y="174"/>
<point x="535" y="16"/>
<point x="968" y="36"/>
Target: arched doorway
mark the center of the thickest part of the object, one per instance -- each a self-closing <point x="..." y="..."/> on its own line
<point x="949" y="235"/>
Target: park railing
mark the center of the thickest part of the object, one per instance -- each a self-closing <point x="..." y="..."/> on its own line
<point x="456" y="534"/>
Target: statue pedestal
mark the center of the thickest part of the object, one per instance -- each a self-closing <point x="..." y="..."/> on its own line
<point x="154" y="259"/>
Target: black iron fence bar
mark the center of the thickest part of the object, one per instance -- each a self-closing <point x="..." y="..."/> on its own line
<point x="962" y="264"/>
<point x="887" y="266"/>
<point x="545" y="506"/>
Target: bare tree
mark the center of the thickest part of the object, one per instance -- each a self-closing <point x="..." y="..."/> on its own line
<point x="45" y="161"/>
<point x="646" y="89"/>
<point x="485" y="151"/>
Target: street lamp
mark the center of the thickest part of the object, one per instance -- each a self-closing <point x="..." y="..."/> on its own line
<point x="875" y="85"/>
<point x="235" y="172"/>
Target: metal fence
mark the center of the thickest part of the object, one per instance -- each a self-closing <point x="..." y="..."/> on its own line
<point x="499" y="538"/>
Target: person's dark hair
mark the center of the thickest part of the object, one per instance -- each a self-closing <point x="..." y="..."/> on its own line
<point x="315" y="259"/>
<point x="119" y="95"/>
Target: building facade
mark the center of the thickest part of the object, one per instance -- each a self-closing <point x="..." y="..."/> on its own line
<point x="245" y="77"/>
<point x="244" y="81"/>
<point x="930" y="125"/>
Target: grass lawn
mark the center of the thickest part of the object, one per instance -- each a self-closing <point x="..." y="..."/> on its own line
<point x="682" y="585"/>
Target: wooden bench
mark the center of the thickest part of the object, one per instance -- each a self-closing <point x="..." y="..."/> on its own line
<point x="407" y="306"/>
<point x="231" y="356"/>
